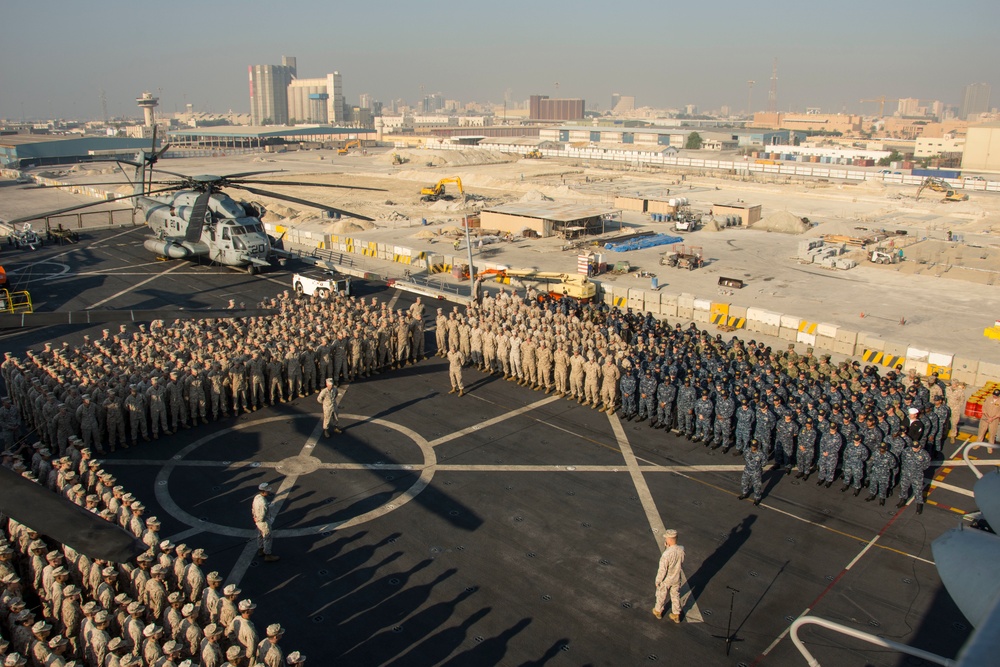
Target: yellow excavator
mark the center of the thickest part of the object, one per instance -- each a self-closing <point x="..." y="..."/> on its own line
<point x="939" y="185"/>
<point x="399" y="159"/>
<point x="437" y="191"/>
<point x="558" y="285"/>
<point x="354" y="143"/>
<point x="534" y="154"/>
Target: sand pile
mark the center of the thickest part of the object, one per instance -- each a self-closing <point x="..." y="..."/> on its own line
<point x="534" y="195"/>
<point x="782" y="222"/>
<point x="350" y="226"/>
<point x="425" y="235"/>
<point x="393" y="216"/>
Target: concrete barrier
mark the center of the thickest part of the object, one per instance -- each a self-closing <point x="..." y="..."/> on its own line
<point x="637" y="300"/>
<point x="763" y="321"/>
<point x="808" y="327"/>
<point x="845" y="342"/>
<point x="668" y="305"/>
<point x="702" y="311"/>
<point x="964" y="369"/>
<point x="941" y="364"/>
<point x="619" y="296"/>
<point x="685" y="307"/>
<point x="895" y="349"/>
<point x="789" y="328"/>
<point x="917" y="354"/>
<point x="988" y="372"/>
<point x="870" y="341"/>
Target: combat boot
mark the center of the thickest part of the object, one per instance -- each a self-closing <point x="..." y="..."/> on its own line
<point x="902" y="501"/>
<point x="326" y="433"/>
<point x="870" y="498"/>
<point x="461" y="392"/>
<point x="676" y="618"/>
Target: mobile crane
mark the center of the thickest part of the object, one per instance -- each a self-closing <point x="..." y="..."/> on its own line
<point x="558" y="285"/>
<point x="437" y="191"/>
<point x="939" y="185"/>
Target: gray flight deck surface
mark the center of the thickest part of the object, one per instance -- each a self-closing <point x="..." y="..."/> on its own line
<point x="505" y="527"/>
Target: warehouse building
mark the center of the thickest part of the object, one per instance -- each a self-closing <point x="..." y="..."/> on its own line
<point x="549" y="219"/>
<point x="747" y="213"/>
<point x="540" y="107"/>
<point x="23" y="151"/>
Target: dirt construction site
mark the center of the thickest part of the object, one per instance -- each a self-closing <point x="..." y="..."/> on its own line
<point x="939" y="296"/>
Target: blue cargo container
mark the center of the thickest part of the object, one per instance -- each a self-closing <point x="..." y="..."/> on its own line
<point x="937" y="173"/>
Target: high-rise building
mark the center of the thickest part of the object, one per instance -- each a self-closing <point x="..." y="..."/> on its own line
<point x="615" y="99"/>
<point x="540" y="107"/>
<point x="976" y="101"/>
<point x="908" y="106"/>
<point x="269" y="92"/>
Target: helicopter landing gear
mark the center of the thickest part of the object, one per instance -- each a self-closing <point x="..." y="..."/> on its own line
<point x="252" y="269"/>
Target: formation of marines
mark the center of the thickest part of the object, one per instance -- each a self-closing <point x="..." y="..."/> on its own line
<point x="59" y="607"/>
<point x="130" y="386"/>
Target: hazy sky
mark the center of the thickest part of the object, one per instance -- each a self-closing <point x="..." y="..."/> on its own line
<point x="59" y="55"/>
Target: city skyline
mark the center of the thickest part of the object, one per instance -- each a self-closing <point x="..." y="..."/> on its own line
<point x="670" y="56"/>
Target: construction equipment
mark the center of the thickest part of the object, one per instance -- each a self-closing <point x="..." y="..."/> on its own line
<point x="687" y="222"/>
<point x="683" y="257"/>
<point x="534" y="154"/>
<point x="61" y="235"/>
<point x="399" y="159"/>
<point x="621" y="268"/>
<point x="353" y="143"/>
<point x="437" y="191"/>
<point x="883" y="257"/>
<point x="23" y="236"/>
<point x="941" y="185"/>
<point x="558" y="285"/>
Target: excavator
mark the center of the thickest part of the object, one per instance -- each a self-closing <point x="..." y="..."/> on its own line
<point x="558" y="285"/>
<point x="939" y="185"/>
<point x="436" y="191"/>
<point x="353" y="143"/>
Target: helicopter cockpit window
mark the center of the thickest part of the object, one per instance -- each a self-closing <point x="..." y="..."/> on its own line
<point x="225" y="233"/>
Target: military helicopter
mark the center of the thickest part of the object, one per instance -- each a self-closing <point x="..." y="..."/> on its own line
<point x="191" y="217"/>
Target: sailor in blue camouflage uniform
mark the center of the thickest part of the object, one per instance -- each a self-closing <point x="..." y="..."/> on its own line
<point x="686" y="397"/>
<point x="627" y="385"/>
<point x="881" y="467"/>
<point x="805" y="449"/>
<point x="855" y="456"/>
<point x="753" y="471"/>
<point x="722" y="434"/>
<point x="703" y="411"/>
<point x="647" y="396"/>
<point x="830" y="444"/>
<point x="899" y="442"/>
<point x="666" y="395"/>
<point x="745" y="417"/>
<point x="764" y="423"/>
<point x="784" y="447"/>
<point x="911" y="478"/>
<point x="941" y="416"/>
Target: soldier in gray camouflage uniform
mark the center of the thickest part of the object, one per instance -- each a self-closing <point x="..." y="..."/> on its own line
<point x="753" y="471"/>
<point x="881" y="467"/>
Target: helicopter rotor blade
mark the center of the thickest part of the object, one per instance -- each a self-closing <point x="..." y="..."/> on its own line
<point x="296" y="200"/>
<point x="196" y="221"/>
<point x="75" y="185"/>
<point x="308" y="185"/>
<point x="244" y="174"/>
<point x="70" y="209"/>
<point x="52" y="515"/>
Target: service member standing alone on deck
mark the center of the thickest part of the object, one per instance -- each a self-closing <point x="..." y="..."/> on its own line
<point x="261" y="510"/>
<point x="328" y="399"/>
<point x="668" y="577"/>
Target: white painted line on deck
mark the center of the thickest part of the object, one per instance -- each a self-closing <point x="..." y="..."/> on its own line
<point x="952" y="487"/>
<point x="133" y="287"/>
<point x="490" y="422"/>
<point x="693" y="613"/>
<point x="184" y="534"/>
<point x="392" y="302"/>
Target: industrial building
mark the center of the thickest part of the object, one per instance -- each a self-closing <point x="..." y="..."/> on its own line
<point x="550" y="218"/>
<point x="319" y="100"/>
<point x="269" y="91"/>
<point x="261" y="137"/>
<point x="982" y="148"/>
<point x="640" y="136"/>
<point x="23" y="151"/>
<point x="809" y="122"/>
<point x="541" y="107"/>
